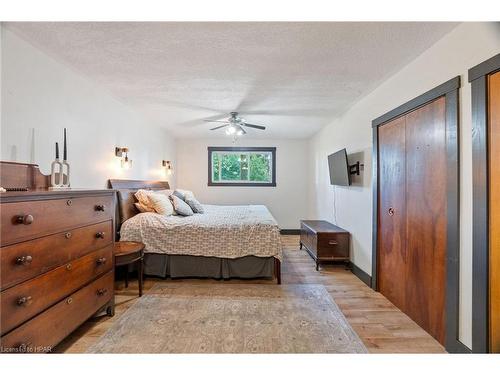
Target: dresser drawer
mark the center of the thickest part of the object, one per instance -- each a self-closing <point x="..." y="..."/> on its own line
<point x="333" y="246"/>
<point x="25" y="300"/>
<point x="21" y="221"/>
<point x="26" y="260"/>
<point x="61" y="319"/>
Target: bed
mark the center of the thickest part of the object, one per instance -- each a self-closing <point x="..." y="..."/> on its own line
<point x="224" y="242"/>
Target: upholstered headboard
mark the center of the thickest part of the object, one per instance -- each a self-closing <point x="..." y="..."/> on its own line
<point x="126" y="189"/>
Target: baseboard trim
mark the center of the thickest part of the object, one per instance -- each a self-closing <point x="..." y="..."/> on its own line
<point x="362" y="275"/>
<point x="289" y="232"/>
<point x="456" y="346"/>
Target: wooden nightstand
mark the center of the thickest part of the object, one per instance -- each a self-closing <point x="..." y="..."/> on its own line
<point x="324" y="241"/>
<point x="126" y="253"/>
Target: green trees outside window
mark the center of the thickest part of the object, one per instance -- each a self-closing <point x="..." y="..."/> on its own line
<point x="242" y="167"/>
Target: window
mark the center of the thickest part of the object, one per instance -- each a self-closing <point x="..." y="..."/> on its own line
<point x="242" y="166"/>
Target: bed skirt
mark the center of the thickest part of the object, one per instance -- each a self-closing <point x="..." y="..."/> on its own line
<point x="249" y="267"/>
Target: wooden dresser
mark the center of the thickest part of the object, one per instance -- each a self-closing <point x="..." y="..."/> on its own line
<point x="56" y="264"/>
<point x="324" y="241"/>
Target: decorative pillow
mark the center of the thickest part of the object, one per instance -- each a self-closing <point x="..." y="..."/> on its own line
<point x="181" y="207"/>
<point x="143" y="208"/>
<point x="161" y="204"/>
<point x="183" y="193"/>
<point x="194" y="204"/>
<point x="142" y="196"/>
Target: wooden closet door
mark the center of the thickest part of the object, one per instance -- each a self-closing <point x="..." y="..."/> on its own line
<point x="426" y="217"/>
<point x="392" y="212"/>
<point x="494" y="204"/>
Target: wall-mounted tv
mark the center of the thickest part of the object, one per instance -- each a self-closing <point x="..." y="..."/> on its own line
<point x="339" y="168"/>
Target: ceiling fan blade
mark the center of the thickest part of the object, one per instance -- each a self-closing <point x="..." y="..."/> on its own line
<point x="216" y="121"/>
<point x="218" y="127"/>
<point x="254" y="126"/>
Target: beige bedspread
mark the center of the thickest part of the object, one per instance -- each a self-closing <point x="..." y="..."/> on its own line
<point x="222" y="231"/>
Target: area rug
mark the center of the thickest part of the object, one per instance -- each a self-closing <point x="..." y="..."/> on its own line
<point x="232" y="318"/>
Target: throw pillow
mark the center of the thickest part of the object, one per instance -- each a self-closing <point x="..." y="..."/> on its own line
<point x="161" y="204"/>
<point x="194" y="204"/>
<point x="181" y="207"/>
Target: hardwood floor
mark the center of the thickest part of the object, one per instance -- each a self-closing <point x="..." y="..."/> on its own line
<point x="382" y="327"/>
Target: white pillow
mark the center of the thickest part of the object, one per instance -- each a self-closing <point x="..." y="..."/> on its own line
<point x="142" y="196"/>
<point x="161" y="204"/>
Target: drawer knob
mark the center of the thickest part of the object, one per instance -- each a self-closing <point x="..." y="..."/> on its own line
<point x="24" y="301"/>
<point x="101" y="261"/>
<point x="69" y="266"/>
<point x="24" y="219"/>
<point x="67" y="235"/>
<point x="69" y="202"/>
<point x="100" y="207"/>
<point x="333" y="242"/>
<point x="99" y="235"/>
<point x="24" y="260"/>
<point x="391" y="211"/>
<point x="102" y="291"/>
<point x="69" y="301"/>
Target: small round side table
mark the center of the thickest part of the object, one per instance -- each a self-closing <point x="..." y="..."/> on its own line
<point x="127" y="252"/>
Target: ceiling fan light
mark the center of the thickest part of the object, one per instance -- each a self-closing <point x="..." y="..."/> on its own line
<point x="231" y="130"/>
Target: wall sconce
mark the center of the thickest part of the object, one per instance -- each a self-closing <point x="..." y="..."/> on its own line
<point x="168" y="165"/>
<point x="122" y="152"/>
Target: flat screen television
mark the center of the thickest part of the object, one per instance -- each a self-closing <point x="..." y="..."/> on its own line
<point x="339" y="168"/>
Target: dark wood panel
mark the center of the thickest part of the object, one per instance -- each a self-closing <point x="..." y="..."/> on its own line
<point x="392" y="224"/>
<point x="25" y="260"/>
<point x="138" y="184"/>
<point x="426" y="181"/>
<point x="61" y="319"/>
<point x="322" y="226"/>
<point x="480" y="229"/>
<point x="446" y="87"/>
<point x="46" y="217"/>
<point x="494" y="201"/>
<point x="324" y="241"/>
<point x="47" y="289"/>
<point x="486" y="67"/>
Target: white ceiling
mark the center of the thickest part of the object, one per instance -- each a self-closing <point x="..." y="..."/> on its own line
<point x="292" y="77"/>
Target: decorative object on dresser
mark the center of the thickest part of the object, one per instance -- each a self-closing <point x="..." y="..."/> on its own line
<point x="59" y="171"/>
<point x="126" y="253"/>
<point x="56" y="258"/>
<point x="56" y="171"/>
<point x="324" y="241"/>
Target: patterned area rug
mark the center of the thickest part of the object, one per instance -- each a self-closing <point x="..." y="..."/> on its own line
<point x="232" y="318"/>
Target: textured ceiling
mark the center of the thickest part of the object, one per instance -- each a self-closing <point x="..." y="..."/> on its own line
<point x="292" y="77"/>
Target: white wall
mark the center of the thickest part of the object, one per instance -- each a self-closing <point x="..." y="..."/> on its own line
<point x="43" y="94"/>
<point x="461" y="49"/>
<point x="287" y="201"/>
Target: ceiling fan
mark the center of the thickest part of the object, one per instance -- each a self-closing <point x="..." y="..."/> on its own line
<point x="235" y="125"/>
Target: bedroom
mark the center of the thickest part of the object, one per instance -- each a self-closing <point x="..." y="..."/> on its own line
<point x="248" y="187"/>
